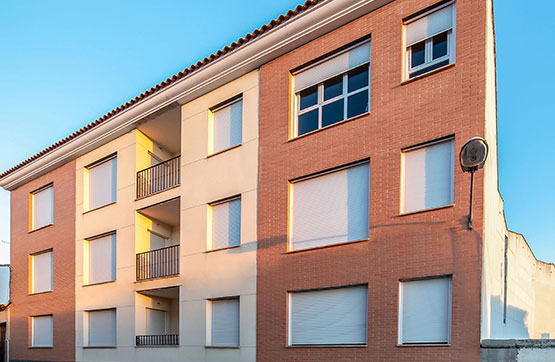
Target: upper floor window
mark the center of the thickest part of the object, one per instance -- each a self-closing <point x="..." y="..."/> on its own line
<point x="225" y="226"/>
<point x="101" y="183"/>
<point x="330" y="207"/>
<point x="100" y="259"/>
<point x="429" y="40"/>
<point x="332" y="90"/>
<point x="41" y="272"/>
<point x="42" y="207"/>
<point x="227" y="124"/>
<point x="428" y="176"/>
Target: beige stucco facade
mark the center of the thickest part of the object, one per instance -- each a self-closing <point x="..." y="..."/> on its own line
<point x="203" y="274"/>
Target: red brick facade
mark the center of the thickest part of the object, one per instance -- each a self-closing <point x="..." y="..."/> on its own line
<point x="436" y="242"/>
<point x="60" y="237"/>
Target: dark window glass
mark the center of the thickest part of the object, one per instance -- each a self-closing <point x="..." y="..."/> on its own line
<point x="333" y="87"/>
<point x="439" y="45"/>
<point x="308" y="122"/>
<point x="357" y="104"/>
<point x="429" y="69"/>
<point x="332" y="113"/>
<point x="309" y="97"/>
<point x="417" y="54"/>
<point x="358" y="78"/>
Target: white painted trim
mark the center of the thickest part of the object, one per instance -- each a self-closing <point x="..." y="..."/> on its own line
<point x="305" y="27"/>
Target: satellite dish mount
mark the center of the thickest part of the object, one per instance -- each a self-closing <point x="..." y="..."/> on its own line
<point x="472" y="158"/>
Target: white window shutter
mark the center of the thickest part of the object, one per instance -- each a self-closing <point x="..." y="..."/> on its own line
<point x="225" y="322"/>
<point x="102" y="183"/>
<point x="330" y="209"/>
<point x="102" y="328"/>
<point x="228" y="126"/>
<point x="426" y="311"/>
<point x="226" y="224"/>
<point x="155" y="321"/>
<point x="42" y="272"/>
<point x="428" y="180"/>
<point x="43" y="205"/>
<point x="42" y="331"/>
<point x="102" y="259"/>
<point x="331" y="316"/>
<point x="433" y="24"/>
<point x="157" y="241"/>
<point x="336" y="65"/>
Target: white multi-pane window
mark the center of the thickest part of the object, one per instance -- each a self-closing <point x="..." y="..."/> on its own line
<point x="42" y="201"/>
<point x="42" y="331"/>
<point x="101" y="259"/>
<point x="428" y="176"/>
<point x="101" y="328"/>
<point x="332" y="90"/>
<point x="337" y="316"/>
<point x="330" y="208"/>
<point x="425" y="311"/>
<point x="227" y="125"/>
<point x="223" y="323"/>
<point x="102" y="185"/>
<point x="430" y="40"/>
<point x="41" y="272"/>
<point x="225" y="226"/>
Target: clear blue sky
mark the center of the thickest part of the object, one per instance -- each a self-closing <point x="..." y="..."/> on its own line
<point x="65" y="63"/>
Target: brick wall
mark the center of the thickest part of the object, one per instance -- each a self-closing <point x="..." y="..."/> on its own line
<point x="60" y="237"/>
<point x="448" y="102"/>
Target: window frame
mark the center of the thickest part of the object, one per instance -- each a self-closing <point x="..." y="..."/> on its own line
<point x="86" y="334"/>
<point x="429" y="62"/>
<point x="209" y="321"/>
<point x="212" y="124"/>
<point x="295" y="96"/>
<point x="87" y="195"/>
<point x="86" y="258"/>
<point x="32" y="276"/>
<point x="210" y="223"/>
<point x="400" y="311"/>
<point x="32" y="196"/>
<point x="32" y="344"/>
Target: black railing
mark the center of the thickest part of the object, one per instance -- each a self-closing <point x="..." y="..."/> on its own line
<point x="158" y="178"/>
<point x="158" y="263"/>
<point x="158" y="340"/>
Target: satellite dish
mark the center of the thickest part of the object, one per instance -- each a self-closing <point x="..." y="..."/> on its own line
<point x="473" y="154"/>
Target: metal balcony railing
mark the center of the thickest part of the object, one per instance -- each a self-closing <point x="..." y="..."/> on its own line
<point x="158" y="340"/>
<point x="158" y="178"/>
<point x="158" y="263"/>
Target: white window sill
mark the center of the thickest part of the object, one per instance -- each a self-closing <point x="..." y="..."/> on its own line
<point x="434" y="71"/>
<point x="224" y="150"/>
<point x="40" y="228"/>
<point x="99" y="207"/>
<point x="222" y="347"/>
<point x="425" y="210"/>
<point x="325" y="246"/>
<point x="424" y="345"/>
<point x="327" y="346"/>
<point x="327" y="127"/>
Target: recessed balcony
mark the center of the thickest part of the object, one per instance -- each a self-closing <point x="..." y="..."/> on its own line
<point x="160" y="177"/>
<point x="157" y="317"/>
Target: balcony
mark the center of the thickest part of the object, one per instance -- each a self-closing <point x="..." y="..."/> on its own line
<point x="157" y="340"/>
<point x="158" y="263"/>
<point x="160" y="177"/>
<point x="157" y="317"/>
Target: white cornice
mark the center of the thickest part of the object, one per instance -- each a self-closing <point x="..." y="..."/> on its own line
<point x="307" y="26"/>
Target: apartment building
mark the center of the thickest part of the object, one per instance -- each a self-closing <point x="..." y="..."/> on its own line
<point x="294" y="196"/>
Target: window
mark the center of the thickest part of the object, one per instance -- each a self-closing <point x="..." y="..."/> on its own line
<point x="223" y="326"/>
<point x="332" y="90"/>
<point x="155" y="321"/>
<point x="430" y="40"/>
<point x="427" y="176"/>
<point x="42" y="331"/>
<point x="102" y="182"/>
<point x="336" y="316"/>
<point x="42" y="207"/>
<point x="41" y="272"/>
<point x="101" y="328"/>
<point x="227" y="125"/>
<point x="330" y="208"/>
<point x="225" y="229"/>
<point x="101" y="259"/>
<point x="425" y="311"/>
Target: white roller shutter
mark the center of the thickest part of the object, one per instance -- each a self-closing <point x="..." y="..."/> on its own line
<point x="330" y="209"/>
<point x="226" y="224"/>
<point x="102" y="328"/>
<point x="43" y="207"/>
<point x="102" y="183"/>
<point x="331" y="316"/>
<point x="42" y="272"/>
<point x="428" y="177"/>
<point x="336" y="65"/>
<point x="155" y="321"/>
<point x="225" y="322"/>
<point x="430" y="25"/>
<point x="228" y="126"/>
<point x="426" y="311"/>
<point x="102" y="259"/>
<point x="42" y="331"/>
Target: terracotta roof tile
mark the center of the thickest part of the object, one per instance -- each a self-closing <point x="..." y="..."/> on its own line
<point x="255" y="33"/>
